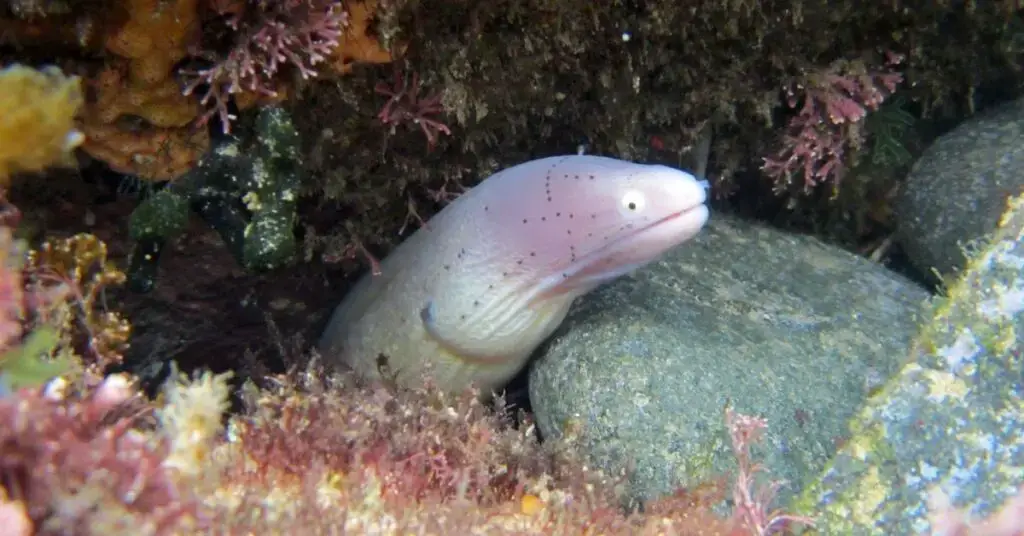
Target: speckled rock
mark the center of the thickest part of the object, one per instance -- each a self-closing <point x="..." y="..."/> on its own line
<point x="951" y="421"/>
<point x="778" y="325"/>
<point x="958" y="188"/>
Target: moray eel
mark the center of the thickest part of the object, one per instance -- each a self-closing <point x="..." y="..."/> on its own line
<point x="468" y="297"/>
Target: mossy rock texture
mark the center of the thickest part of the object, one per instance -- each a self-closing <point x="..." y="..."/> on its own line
<point x="950" y="422"/>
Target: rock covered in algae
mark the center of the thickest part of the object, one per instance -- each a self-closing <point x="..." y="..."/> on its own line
<point x="949" y="424"/>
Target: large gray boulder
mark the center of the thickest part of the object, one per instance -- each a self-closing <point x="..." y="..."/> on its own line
<point x="778" y="325"/>
<point x="959" y="187"/>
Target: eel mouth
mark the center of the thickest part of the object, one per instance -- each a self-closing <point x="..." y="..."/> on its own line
<point x="630" y="251"/>
<point x="695" y="216"/>
<point x="688" y="222"/>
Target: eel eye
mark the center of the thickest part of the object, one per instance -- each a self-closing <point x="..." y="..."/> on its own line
<point x="633" y="201"/>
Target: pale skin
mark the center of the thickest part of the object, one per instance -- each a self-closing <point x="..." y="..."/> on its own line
<point x="469" y="297"/>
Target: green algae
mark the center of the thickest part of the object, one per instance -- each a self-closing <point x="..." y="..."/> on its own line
<point x="250" y="198"/>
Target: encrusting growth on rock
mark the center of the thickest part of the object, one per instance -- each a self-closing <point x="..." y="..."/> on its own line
<point x="140" y="112"/>
<point x="313" y="453"/>
<point x="949" y="420"/>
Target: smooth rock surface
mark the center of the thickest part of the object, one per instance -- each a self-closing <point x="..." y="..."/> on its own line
<point x="959" y="187"/>
<point x="779" y="325"/>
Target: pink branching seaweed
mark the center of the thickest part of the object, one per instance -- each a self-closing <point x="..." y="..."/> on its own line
<point x="405" y="105"/>
<point x="828" y="124"/>
<point x="751" y="501"/>
<point x="80" y="465"/>
<point x="268" y="36"/>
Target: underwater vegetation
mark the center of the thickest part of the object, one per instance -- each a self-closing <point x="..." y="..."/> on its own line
<point x="465" y="86"/>
<point x="316" y="132"/>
